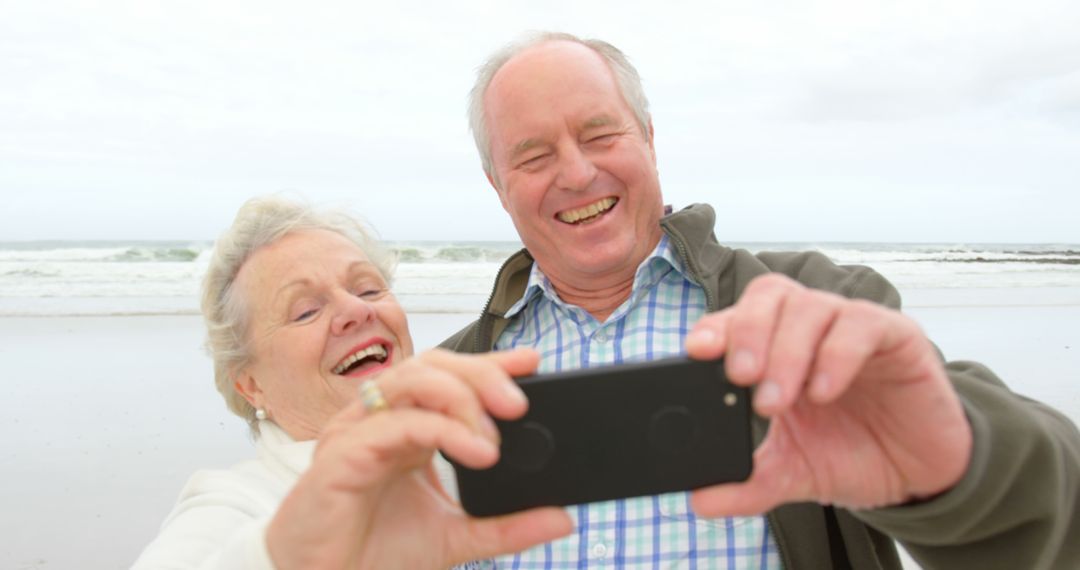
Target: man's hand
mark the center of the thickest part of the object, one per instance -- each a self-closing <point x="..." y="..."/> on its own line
<point x="862" y="412"/>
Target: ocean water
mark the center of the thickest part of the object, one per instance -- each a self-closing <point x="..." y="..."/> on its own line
<point x="58" y="278"/>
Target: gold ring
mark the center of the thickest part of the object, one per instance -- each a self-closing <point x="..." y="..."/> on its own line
<point x="372" y="398"/>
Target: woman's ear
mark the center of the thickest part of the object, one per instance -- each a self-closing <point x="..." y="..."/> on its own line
<point x="247" y="386"/>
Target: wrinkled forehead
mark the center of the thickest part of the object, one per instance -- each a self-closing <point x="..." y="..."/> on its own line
<point x="557" y="81"/>
<point x="551" y="67"/>
<point x="298" y="255"/>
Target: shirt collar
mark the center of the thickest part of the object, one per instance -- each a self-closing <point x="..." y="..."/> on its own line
<point x="651" y="270"/>
<point x="537" y="284"/>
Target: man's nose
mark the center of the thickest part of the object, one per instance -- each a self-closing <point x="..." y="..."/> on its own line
<point x="576" y="170"/>
<point x="350" y="312"/>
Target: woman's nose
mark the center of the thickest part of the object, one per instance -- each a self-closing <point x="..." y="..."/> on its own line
<point x="352" y="312"/>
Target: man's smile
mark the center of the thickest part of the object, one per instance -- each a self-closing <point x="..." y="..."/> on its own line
<point x="587" y="213"/>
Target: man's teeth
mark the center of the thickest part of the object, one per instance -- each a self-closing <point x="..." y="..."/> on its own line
<point x="571" y="216"/>
<point x="376" y="350"/>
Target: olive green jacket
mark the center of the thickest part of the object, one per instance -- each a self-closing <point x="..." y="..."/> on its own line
<point x="1015" y="508"/>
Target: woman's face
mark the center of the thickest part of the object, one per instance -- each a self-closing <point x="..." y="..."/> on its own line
<point x="322" y="319"/>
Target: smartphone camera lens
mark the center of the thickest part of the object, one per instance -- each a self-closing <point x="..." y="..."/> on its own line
<point x="527" y="446"/>
<point x="673" y="429"/>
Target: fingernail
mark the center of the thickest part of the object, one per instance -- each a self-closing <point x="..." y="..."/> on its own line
<point x="490" y="446"/>
<point x="514" y="392"/>
<point x="487" y="425"/>
<point x="701" y="336"/>
<point x="767" y="395"/>
<point x="744" y="363"/>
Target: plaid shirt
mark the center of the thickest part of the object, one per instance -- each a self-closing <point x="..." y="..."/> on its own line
<point x="643" y="532"/>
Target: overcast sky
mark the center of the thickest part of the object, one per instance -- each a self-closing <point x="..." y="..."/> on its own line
<point x="953" y="120"/>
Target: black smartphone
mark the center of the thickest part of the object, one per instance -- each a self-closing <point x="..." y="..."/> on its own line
<point x="612" y="432"/>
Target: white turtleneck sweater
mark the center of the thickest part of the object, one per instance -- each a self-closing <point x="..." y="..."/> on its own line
<point x="220" y="519"/>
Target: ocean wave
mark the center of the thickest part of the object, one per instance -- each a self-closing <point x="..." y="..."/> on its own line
<point x="8" y="313"/>
<point x="460" y="254"/>
<point x="70" y="254"/>
<point x="973" y="258"/>
<point x="107" y="253"/>
<point x="1063" y="252"/>
<point x="1041" y="260"/>
<point x="32" y="272"/>
<point x="494" y="252"/>
<point x="145" y="277"/>
<point x="928" y="254"/>
<point x="409" y="255"/>
<point x="154" y="254"/>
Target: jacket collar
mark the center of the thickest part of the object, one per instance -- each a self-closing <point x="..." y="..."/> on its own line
<point x="692" y="239"/>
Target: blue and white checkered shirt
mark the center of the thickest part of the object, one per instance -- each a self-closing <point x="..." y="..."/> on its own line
<point x="643" y="532"/>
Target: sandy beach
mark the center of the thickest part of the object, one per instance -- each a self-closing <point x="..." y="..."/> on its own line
<point x="107" y="416"/>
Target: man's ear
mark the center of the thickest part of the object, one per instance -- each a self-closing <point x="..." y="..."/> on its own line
<point x="246" y="385"/>
<point x="495" y="185"/>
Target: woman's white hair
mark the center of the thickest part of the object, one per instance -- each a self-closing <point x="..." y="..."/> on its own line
<point x="626" y="77"/>
<point x="262" y="221"/>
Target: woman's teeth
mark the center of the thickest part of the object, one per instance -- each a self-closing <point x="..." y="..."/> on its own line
<point x="590" y="211"/>
<point x="376" y="351"/>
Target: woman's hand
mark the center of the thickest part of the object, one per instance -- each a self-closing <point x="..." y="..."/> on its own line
<point x="863" y="414"/>
<point x="371" y="498"/>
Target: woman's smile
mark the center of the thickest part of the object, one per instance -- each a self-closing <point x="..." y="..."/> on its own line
<point x="367" y="358"/>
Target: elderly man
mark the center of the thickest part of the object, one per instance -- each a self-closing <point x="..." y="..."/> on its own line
<point x="865" y="435"/>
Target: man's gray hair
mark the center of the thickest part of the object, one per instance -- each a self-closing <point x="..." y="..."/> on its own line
<point x="262" y="221"/>
<point x="626" y="77"/>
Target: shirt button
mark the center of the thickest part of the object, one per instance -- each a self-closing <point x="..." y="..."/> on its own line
<point x="601" y="336"/>
<point x="598" y="550"/>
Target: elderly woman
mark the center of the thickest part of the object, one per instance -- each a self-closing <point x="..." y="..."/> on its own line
<point x="313" y="350"/>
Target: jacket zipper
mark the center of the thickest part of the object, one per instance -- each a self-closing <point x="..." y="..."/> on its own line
<point x="695" y="274"/>
<point x="482" y="324"/>
<point x="781" y="547"/>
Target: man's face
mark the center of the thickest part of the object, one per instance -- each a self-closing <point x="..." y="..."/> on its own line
<point x="573" y="168"/>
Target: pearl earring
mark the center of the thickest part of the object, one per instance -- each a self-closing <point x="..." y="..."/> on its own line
<point x="260" y="414"/>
